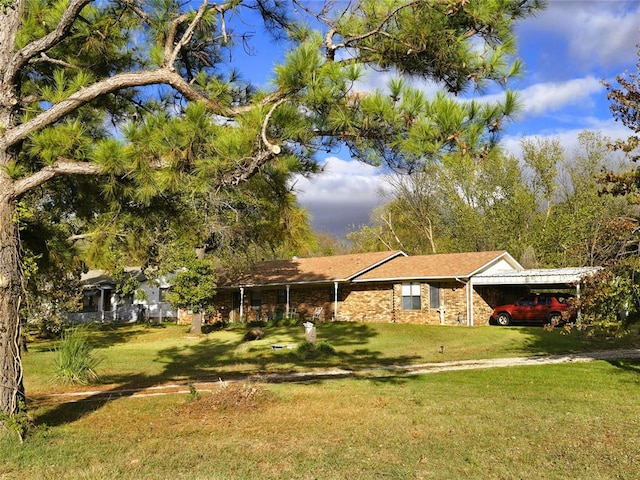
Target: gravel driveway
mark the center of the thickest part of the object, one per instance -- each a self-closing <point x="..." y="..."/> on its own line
<point x="418" y="369"/>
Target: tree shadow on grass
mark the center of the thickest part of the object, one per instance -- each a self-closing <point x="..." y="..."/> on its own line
<point x="69" y="408"/>
<point x="632" y="366"/>
<point x="101" y="335"/>
<point x="559" y="340"/>
<point x="212" y="359"/>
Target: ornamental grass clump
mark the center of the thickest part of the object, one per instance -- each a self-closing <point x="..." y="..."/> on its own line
<point x="75" y="361"/>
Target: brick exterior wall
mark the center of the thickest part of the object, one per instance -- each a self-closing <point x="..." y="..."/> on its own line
<point x="367" y="303"/>
<point x="305" y="299"/>
<point x="379" y="302"/>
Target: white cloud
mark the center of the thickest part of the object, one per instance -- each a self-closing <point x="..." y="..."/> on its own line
<point x="597" y="33"/>
<point x="553" y="96"/>
<point x="375" y="80"/>
<point x="610" y="38"/>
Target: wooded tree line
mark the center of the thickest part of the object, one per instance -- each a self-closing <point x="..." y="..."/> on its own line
<point x="547" y="208"/>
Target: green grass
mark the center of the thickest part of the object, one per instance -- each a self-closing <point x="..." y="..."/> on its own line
<point x="139" y="355"/>
<point x="542" y="422"/>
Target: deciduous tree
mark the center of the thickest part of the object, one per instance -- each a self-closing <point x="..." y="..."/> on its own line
<point x="194" y="288"/>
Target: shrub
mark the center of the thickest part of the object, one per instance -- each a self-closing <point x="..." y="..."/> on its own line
<point x="51" y="327"/>
<point x="315" y="350"/>
<point x="75" y="362"/>
<point x="19" y="423"/>
<point x="325" y="349"/>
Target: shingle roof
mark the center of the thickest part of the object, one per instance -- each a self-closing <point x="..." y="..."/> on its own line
<point x="445" y="265"/>
<point x="310" y="270"/>
<point x="93" y="278"/>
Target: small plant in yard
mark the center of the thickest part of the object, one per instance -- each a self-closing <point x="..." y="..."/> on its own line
<point x="193" y="393"/>
<point x="75" y="362"/>
<point x="20" y="423"/>
<point x="315" y="350"/>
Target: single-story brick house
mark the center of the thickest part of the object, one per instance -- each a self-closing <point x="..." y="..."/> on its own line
<point x="446" y="289"/>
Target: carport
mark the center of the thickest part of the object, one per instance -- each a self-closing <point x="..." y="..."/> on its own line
<point x="541" y="279"/>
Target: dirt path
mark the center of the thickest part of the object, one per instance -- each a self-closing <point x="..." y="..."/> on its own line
<point x="382" y="371"/>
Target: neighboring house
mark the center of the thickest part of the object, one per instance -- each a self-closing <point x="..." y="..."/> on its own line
<point x="446" y="289"/>
<point x="101" y="303"/>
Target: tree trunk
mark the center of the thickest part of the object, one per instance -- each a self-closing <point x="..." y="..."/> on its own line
<point x="11" y="387"/>
<point x="196" y="322"/>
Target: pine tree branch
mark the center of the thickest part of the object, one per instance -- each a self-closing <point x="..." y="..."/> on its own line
<point x="273" y="148"/>
<point x="103" y="87"/>
<point x="41" y="45"/>
<point x="246" y="168"/>
<point x="61" y="167"/>
<point x="132" y="4"/>
<point x="44" y="58"/>
<point x="171" y="47"/>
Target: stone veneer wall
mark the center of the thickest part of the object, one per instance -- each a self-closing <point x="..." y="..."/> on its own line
<point x="484" y="301"/>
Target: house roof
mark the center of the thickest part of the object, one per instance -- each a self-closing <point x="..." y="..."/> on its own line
<point x="101" y="278"/>
<point x="441" y="266"/>
<point x="372" y="267"/>
<point x="311" y="270"/>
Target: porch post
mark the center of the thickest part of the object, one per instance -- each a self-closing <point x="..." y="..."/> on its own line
<point x="470" y="302"/>
<point x="579" y="315"/>
<point x="241" y="302"/>
<point x="335" y="301"/>
<point x="101" y="306"/>
<point x="288" y="300"/>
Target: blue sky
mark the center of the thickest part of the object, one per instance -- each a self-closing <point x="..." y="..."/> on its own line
<point x="567" y="50"/>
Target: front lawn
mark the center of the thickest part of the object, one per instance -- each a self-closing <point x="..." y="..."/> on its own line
<point x="540" y="422"/>
<point x="141" y="355"/>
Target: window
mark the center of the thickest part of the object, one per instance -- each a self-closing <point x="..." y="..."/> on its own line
<point x="282" y="296"/>
<point x="127" y="299"/>
<point x="90" y="300"/>
<point x="256" y="298"/>
<point x="434" y="296"/>
<point x="163" y="294"/>
<point x="411" y="296"/>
